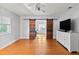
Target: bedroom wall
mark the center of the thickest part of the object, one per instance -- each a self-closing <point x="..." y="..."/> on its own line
<point x="55" y="28"/>
<point x="24" y="28"/>
<point x="9" y="38"/>
<point x="22" y="35"/>
<point x="74" y="15"/>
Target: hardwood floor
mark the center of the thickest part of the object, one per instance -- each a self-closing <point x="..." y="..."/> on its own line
<point x="38" y="46"/>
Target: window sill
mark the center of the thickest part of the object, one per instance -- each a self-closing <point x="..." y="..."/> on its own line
<point x="4" y="33"/>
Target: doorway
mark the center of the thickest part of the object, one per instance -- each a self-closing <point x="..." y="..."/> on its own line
<point x="40" y="29"/>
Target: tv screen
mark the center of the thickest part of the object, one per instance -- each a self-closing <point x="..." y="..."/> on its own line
<point x="65" y="25"/>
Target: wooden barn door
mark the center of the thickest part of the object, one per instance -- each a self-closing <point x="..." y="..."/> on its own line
<point x="49" y="28"/>
<point x="32" y="29"/>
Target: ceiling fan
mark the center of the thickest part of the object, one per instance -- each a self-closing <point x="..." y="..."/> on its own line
<point x="39" y="7"/>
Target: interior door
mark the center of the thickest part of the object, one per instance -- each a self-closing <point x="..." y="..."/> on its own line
<point x="49" y="28"/>
<point x="32" y="29"/>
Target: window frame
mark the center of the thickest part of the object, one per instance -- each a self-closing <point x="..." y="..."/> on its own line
<point x="3" y="21"/>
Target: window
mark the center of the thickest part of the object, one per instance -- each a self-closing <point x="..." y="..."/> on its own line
<point x="5" y="24"/>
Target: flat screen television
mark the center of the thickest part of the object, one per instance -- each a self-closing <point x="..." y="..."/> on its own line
<point x="65" y="25"/>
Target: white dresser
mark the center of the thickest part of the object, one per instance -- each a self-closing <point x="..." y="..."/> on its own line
<point x="69" y="40"/>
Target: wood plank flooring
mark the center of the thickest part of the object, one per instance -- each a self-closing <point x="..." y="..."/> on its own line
<point x="38" y="46"/>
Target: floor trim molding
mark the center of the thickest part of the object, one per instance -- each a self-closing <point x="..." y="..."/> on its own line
<point x="9" y="44"/>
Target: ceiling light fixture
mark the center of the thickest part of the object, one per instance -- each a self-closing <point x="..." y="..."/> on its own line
<point x="38" y="7"/>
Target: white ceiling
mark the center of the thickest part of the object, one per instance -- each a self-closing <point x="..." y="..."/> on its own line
<point x="23" y="9"/>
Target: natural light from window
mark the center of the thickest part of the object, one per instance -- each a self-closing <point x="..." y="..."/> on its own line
<point x="5" y="24"/>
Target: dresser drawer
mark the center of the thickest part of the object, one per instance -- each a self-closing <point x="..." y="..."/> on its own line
<point x="67" y="36"/>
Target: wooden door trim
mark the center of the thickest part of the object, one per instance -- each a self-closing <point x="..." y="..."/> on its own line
<point x="32" y="33"/>
<point x="49" y="28"/>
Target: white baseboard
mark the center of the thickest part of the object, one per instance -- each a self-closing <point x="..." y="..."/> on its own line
<point x="9" y="44"/>
<point x="24" y="38"/>
<point x="54" y="38"/>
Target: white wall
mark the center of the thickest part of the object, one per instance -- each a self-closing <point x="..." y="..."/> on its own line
<point x="24" y="28"/>
<point x="55" y="27"/>
<point x="29" y="17"/>
<point x="74" y="15"/>
<point x="38" y="17"/>
<point x="6" y="39"/>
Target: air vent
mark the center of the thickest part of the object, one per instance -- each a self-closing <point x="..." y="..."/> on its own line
<point x="69" y="7"/>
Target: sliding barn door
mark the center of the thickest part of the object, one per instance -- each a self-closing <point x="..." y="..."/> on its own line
<point x="49" y="28"/>
<point x="32" y="28"/>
